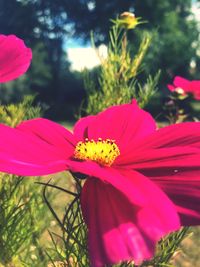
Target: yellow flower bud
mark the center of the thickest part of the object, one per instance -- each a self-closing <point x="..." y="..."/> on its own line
<point x="128" y="20"/>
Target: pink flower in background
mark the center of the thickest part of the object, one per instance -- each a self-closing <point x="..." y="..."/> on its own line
<point x="142" y="183"/>
<point x="15" y="58"/>
<point x="183" y="87"/>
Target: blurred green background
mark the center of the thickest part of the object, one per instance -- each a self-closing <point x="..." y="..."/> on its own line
<point x="46" y="26"/>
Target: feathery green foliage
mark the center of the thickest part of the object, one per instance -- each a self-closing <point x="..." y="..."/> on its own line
<point x="116" y="82"/>
<point x="71" y="249"/>
<point x="13" y="114"/>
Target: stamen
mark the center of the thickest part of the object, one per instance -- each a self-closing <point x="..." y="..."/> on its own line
<point x="102" y="151"/>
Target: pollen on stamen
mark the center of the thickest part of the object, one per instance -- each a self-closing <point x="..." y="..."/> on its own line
<point x="102" y="151"/>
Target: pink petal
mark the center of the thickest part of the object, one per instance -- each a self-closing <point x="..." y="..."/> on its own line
<point x="16" y="165"/>
<point x="113" y="233"/>
<point x="182" y="134"/>
<point x="171" y="87"/>
<point x="183" y="187"/>
<point x="15" y="58"/>
<point x="81" y="128"/>
<point x="170" y="157"/>
<point x="138" y="189"/>
<point x="111" y="176"/>
<point x="171" y="146"/>
<point x="118" y="230"/>
<point x="192" y="87"/>
<point x="53" y="133"/>
<point x="195" y="84"/>
<point x="197" y="95"/>
<point x="160" y="158"/>
<point x="182" y="83"/>
<point x="25" y="152"/>
<point x="125" y="123"/>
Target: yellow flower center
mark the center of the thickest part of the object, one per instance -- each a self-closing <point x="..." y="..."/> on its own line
<point x="179" y="90"/>
<point x="103" y="152"/>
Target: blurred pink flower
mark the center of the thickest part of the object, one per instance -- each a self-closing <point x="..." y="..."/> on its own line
<point x="183" y="87"/>
<point x="142" y="183"/>
<point x="15" y="58"/>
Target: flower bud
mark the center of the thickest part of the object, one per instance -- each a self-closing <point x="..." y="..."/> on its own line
<point x="128" y="20"/>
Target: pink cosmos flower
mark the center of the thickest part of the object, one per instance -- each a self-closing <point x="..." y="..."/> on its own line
<point x="142" y="183"/>
<point x="183" y="87"/>
<point x="15" y="58"/>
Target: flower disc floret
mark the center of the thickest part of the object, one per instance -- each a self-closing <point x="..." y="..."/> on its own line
<point x="103" y="152"/>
